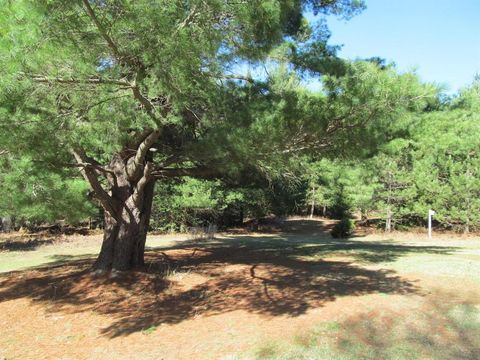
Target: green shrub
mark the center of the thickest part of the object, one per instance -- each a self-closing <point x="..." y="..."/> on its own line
<point x="343" y="229"/>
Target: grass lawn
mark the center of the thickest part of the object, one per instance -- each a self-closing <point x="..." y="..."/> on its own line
<point x="297" y="294"/>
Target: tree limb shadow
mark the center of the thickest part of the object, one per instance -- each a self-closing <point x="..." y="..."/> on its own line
<point x="241" y="274"/>
<point x="22" y="243"/>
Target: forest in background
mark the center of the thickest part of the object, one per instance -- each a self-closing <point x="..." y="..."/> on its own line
<point x="175" y="114"/>
<point x="431" y="161"/>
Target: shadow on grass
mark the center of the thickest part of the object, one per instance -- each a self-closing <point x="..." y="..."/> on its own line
<point x="441" y="328"/>
<point x="59" y="260"/>
<point x="272" y="276"/>
<point x="20" y="243"/>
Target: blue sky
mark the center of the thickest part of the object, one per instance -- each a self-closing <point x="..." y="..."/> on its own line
<point x="440" y="38"/>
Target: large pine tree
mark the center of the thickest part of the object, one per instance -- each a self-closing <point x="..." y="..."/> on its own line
<point x="131" y="92"/>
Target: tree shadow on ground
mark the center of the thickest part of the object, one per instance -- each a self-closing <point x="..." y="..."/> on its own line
<point x="22" y="243"/>
<point x="442" y="328"/>
<point x="59" y="260"/>
<point x="271" y="276"/>
<point x="310" y="239"/>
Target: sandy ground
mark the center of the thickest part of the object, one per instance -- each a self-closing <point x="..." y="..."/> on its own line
<point x="220" y="299"/>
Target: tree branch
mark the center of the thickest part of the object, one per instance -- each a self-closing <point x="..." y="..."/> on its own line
<point x="99" y="169"/>
<point x="102" y="30"/>
<point x="95" y="81"/>
<point x="232" y="77"/>
<point x="85" y="111"/>
<point x="149" y="107"/>
<point x="190" y="17"/>
<point x="136" y="64"/>
<point x="200" y="172"/>
<point x="90" y="176"/>
<point x="137" y="195"/>
<point x="135" y="163"/>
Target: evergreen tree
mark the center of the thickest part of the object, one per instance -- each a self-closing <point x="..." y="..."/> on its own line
<point x="131" y="92"/>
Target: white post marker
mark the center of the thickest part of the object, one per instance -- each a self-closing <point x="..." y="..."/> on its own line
<point x="430" y="214"/>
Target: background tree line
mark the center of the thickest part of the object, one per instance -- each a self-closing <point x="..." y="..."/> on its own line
<point x="148" y="101"/>
<point x="430" y="162"/>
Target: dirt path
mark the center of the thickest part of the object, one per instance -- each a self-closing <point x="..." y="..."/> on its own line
<point x="225" y="297"/>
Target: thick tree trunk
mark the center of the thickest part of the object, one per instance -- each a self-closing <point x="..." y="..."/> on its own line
<point x="110" y="231"/>
<point x="127" y="201"/>
<point x="123" y="246"/>
<point x="139" y="250"/>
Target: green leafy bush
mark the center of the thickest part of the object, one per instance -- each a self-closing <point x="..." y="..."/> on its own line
<point x="343" y="229"/>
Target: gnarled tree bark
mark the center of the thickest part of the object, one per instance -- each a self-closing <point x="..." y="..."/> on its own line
<point x="124" y="239"/>
<point x="130" y="178"/>
<point x="127" y="203"/>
